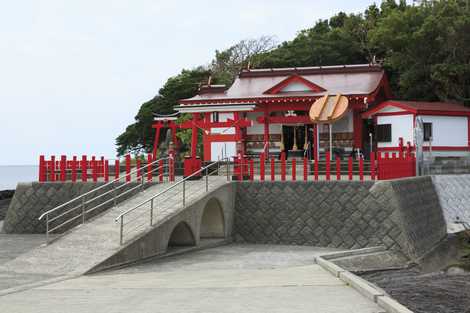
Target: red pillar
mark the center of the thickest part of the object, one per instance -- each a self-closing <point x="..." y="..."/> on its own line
<point x="74" y="168"/>
<point x="42" y="169"/>
<point x="149" y="167"/>
<point x="328" y="165"/>
<point x="63" y="167"/>
<point x="252" y="169"/>
<point x="106" y="171"/>
<point x="128" y="167"/>
<point x="52" y="169"/>
<point x="338" y="168"/>
<point x="315" y="142"/>
<point x="357" y="129"/>
<point x="117" y="168"/>
<point x="84" y="169"/>
<point x="294" y="173"/>
<point x="305" y="169"/>
<point x="94" y="169"/>
<point x="372" y="164"/>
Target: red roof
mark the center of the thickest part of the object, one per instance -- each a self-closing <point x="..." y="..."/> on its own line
<point x="256" y="84"/>
<point x="421" y="107"/>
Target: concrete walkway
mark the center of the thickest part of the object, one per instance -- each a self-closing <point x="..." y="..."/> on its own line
<point x="89" y="244"/>
<point x="228" y="279"/>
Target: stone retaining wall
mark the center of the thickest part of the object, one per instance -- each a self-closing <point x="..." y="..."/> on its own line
<point x="402" y="215"/>
<point x="454" y="197"/>
<point x="32" y="199"/>
<point x="5" y="199"/>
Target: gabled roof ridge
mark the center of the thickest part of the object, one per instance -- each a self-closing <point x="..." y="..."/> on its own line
<point x="277" y="88"/>
<point x="284" y="71"/>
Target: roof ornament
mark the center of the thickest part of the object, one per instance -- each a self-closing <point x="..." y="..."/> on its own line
<point x="328" y="109"/>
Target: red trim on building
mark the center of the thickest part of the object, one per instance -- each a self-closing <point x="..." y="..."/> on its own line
<point x="393" y="113"/>
<point x="293" y="79"/>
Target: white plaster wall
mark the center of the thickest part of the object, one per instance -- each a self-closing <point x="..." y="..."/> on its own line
<point x="225" y="130"/>
<point x="257" y="128"/>
<point x="448" y="130"/>
<point x="402" y="126"/>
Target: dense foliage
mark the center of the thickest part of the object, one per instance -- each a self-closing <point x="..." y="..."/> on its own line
<point x="425" y="48"/>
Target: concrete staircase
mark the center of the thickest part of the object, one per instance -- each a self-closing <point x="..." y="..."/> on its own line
<point x="89" y="244"/>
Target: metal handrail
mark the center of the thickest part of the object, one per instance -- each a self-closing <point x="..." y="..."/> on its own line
<point x="150" y="200"/>
<point x="84" y="201"/>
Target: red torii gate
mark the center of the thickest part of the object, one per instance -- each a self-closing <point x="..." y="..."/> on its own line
<point x="193" y="163"/>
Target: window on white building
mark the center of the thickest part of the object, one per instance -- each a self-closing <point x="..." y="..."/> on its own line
<point x="427" y="131"/>
<point x="384" y="133"/>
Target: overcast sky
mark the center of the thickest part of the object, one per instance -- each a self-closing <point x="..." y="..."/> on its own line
<point x="73" y="73"/>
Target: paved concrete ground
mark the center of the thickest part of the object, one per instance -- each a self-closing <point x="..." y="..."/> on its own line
<point x="234" y="278"/>
<point x="11" y="246"/>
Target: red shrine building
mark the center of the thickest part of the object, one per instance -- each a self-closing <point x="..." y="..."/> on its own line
<point x="267" y="111"/>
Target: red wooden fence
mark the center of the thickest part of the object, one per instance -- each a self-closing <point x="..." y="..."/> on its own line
<point x="71" y="169"/>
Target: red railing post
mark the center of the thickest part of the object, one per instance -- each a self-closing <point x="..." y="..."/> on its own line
<point x="240" y="168"/>
<point x="361" y="168"/>
<point x="94" y="169"/>
<point x="350" y="168"/>
<point x="315" y="167"/>
<point x="139" y="173"/>
<point x="149" y="167"/>
<point x="42" y="169"/>
<point x="63" y="168"/>
<point x="84" y="169"/>
<point x="261" y="166"/>
<point x="252" y="170"/>
<point x="328" y="165"/>
<point x="273" y="168"/>
<point x="171" y="167"/>
<point x="160" y="171"/>
<point x="128" y="167"/>
<point x="305" y="169"/>
<point x="338" y="168"/>
<point x="294" y="169"/>
<point x="372" y="165"/>
<point x="102" y="167"/>
<point x="106" y="171"/>
<point x="283" y="166"/>
<point x="73" y="167"/>
<point x="52" y="169"/>
<point x="379" y="166"/>
<point x="117" y="168"/>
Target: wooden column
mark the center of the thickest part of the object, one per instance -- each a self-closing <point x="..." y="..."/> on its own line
<point x="357" y="129"/>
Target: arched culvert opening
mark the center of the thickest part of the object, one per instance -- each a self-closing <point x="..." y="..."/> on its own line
<point x="212" y="222"/>
<point x="181" y="236"/>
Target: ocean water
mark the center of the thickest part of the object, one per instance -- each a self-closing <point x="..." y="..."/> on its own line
<point x="10" y="175"/>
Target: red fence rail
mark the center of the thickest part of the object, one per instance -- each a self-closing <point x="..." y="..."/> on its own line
<point x="97" y="169"/>
<point x="378" y="167"/>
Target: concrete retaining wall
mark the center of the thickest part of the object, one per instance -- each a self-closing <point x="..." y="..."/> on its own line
<point x="5" y="199"/>
<point x="402" y="215"/>
<point x="32" y="199"/>
<point x="454" y="197"/>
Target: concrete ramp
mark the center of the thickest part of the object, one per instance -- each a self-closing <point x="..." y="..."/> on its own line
<point x="96" y="242"/>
